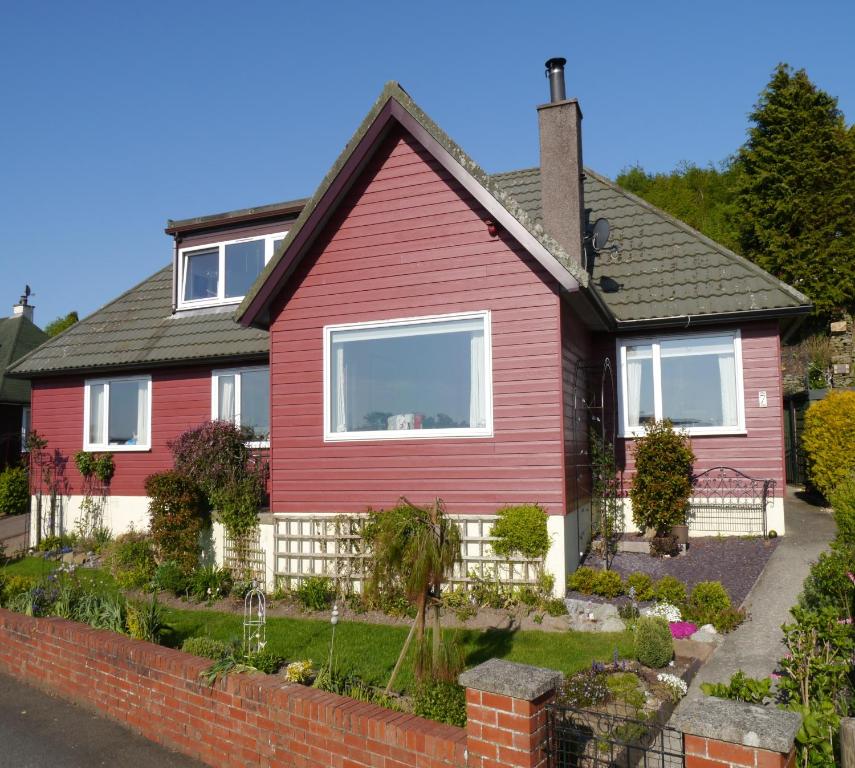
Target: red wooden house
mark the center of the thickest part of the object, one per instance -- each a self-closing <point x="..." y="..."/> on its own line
<point x="427" y="329"/>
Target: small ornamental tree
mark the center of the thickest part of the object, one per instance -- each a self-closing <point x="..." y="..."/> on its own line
<point x="175" y="507"/>
<point x="662" y="483"/>
<point x="415" y="547"/>
<point x="829" y="440"/>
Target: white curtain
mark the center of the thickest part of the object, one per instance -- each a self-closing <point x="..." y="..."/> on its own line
<point x="226" y="398"/>
<point x="142" y="412"/>
<point x="96" y="414"/>
<point x="633" y="392"/>
<point x="340" y="422"/>
<point x="477" y="404"/>
<point x="727" y="374"/>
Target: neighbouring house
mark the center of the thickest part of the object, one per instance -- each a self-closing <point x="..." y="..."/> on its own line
<point x="422" y="328"/>
<point x="18" y="336"/>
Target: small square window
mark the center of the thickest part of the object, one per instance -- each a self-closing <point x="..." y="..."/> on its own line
<point x="202" y="275"/>
<point x="118" y="414"/>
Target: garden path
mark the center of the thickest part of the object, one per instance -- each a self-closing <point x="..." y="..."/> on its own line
<point x="757" y="645"/>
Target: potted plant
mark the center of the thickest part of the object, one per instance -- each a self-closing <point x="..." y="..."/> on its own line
<point x="662" y="483"/>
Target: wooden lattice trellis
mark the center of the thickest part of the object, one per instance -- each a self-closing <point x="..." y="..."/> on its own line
<point x="332" y="546"/>
<point x="245" y="557"/>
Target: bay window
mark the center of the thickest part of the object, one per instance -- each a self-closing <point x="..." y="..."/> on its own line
<point x="117" y="414"/>
<point x="695" y="381"/>
<point x="242" y="396"/>
<point x="222" y="273"/>
<point x="419" y="377"/>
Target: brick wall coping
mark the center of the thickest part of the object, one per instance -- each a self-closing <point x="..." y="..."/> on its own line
<point x="519" y="681"/>
<point x="736" y="722"/>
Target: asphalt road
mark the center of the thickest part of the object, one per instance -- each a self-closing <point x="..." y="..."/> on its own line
<point x="41" y="731"/>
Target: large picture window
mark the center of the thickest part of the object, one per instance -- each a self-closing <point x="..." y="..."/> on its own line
<point x="117" y="414"/>
<point x="223" y="273"/>
<point x="695" y="381"/>
<point x="242" y="396"/>
<point x="422" y="377"/>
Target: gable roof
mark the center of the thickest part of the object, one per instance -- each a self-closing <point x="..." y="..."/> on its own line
<point x="139" y="329"/>
<point x="394" y="106"/>
<point x="18" y="335"/>
<point x="662" y="269"/>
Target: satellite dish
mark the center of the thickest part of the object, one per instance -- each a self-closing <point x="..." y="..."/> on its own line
<point x="600" y="234"/>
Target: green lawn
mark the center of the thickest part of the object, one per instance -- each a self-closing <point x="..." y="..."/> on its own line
<point x="370" y="650"/>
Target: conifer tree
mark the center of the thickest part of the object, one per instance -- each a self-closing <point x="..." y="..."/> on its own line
<point x="795" y="193"/>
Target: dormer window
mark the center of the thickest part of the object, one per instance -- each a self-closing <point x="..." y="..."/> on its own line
<point x="222" y="273"/>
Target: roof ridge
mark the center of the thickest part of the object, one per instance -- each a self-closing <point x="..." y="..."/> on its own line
<point x="756" y="268"/>
<point x="53" y="340"/>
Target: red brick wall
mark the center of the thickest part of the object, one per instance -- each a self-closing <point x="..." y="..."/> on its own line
<point x="709" y="753"/>
<point x="247" y="720"/>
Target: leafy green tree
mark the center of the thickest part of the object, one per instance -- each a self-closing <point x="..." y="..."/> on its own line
<point x="701" y="197"/>
<point x="57" y="326"/>
<point x="796" y="191"/>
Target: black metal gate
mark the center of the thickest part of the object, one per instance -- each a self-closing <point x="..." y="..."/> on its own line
<point x="580" y="738"/>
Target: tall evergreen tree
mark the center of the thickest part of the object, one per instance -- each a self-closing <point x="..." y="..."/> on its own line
<point x="795" y="192"/>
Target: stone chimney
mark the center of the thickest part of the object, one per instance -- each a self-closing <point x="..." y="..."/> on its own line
<point x="561" y="173"/>
<point x="23" y="307"/>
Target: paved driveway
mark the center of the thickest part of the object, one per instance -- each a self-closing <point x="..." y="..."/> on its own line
<point x="38" y="730"/>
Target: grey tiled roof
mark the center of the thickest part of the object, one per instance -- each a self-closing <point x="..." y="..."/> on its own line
<point x="663" y="268"/>
<point x="139" y="329"/>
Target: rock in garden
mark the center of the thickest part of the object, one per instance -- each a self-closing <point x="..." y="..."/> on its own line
<point x="703" y="636"/>
<point x="588" y="616"/>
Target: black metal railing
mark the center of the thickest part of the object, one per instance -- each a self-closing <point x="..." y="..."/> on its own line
<point x="582" y="738"/>
<point x="725" y="500"/>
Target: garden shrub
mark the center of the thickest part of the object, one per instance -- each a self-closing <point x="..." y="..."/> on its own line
<point x="829" y="440"/>
<point x="315" y="593"/>
<point x="131" y="559"/>
<point x="57" y="542"/>
<point x="582" y="580"/>
<point x="14" y="585"/>
<point x="654" y="646"/>
<point x="175" y="507"/>
<point x="216" y="457"/>
<point x="444" y="702"/>
<point x="555" y="606"/>
<point x="671" y="590"/>
<point x="642" y="583"/>
<point x="521" y="530"/>
<point x="584" y="689"/>
<point x="460" y="601"/>
<point x="827" y="585"/>
<point x="299" y="671"/>
<point x="740" y="688"/>
<point x="206" y="647"/>
<point x="843" y="502"/>
<point x="171" y="578"/>
<point x="210" y="582"/>
<point x="709" y="597"/>
<point x="265" y="661"/>
<point x="626" y="688"/>
<point x="661" y="485"/>
<point x="608" y="584"/>
<point x="14" y="491"/>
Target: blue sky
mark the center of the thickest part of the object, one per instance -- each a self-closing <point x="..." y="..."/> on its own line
<point x="117" y="116"/>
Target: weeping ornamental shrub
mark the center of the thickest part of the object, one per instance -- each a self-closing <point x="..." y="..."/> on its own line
<point x="662" y="483"/>
<point x="175" y="506"/>
<point x="829" y="441"/>
<point x="216" y="457"/>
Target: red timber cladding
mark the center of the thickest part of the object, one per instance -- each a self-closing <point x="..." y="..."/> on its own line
<point x="409" y="241"/>
<point x="760" y="452"/>
<point x="181" y="398"/>
<point x="576" y="348"/>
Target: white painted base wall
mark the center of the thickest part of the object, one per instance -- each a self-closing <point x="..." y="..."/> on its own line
<point x="120" y="514"/>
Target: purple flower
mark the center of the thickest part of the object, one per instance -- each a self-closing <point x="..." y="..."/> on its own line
<point x="682" y="629"/>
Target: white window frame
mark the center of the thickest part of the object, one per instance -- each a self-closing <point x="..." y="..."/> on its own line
<point x="88" y="446"/>
<point x="220" y="299"/>
<point x="26" y="426"/>
<point x="654" y="341"/>
<point x="215" y="396"/>
<point x="411" y="434"/>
